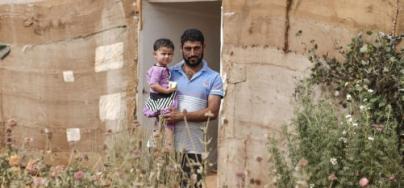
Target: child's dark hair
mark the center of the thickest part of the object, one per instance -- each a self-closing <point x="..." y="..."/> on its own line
<point x="163" y="42"/>
<point x="192" y="35"/>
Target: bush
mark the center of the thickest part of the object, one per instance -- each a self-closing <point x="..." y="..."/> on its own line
<point x="349" y="136"/>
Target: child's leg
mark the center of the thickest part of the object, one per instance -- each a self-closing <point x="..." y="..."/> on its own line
<point x="168" y="133"/>
<point x="169" y="138"/>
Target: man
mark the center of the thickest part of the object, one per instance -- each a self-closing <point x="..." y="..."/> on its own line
<point x="199" y="91"/>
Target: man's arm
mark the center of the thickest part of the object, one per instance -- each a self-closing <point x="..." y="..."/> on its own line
<point x="197" y="116"/>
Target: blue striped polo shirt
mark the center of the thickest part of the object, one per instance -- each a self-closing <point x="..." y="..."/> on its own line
<point x="192" y="96"/>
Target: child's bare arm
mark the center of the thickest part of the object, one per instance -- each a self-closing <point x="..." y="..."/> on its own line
<point x="159" y="89"/>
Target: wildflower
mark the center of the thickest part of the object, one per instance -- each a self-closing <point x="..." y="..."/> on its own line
<point x="370" y="90"/>
<point x="348" y="97"/>
<point x="343" y="139"/>
<point x="362" y="108"/>
<point x="333" y="161"/>
<point x="336" y="93"/>
<point x="365" y="86"/>
<point x="355" y="124"/>
<point x="79" y="175"/>
<point x="311" y="185"/>
<point x="343" y="132"/>
<point x="39" y="181"/>
<point x="56" y="171"/>
<point x="32" y="167"/>
<point x="14" y="160"/>
<point x="346" y="84"/>
<point x="364" y="49"/>
<point x="363" y="182"/>
<point x="371" y="138"/>
<point x="332" y="177"/>
<point x="348" y="118"/>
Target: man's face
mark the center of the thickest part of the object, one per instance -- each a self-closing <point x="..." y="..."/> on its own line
<point x="192" y="52"/>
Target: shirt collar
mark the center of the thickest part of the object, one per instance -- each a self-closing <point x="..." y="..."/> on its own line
<point x="178" y="66"/>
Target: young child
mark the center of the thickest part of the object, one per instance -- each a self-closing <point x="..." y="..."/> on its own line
<point x="162" y="92"/>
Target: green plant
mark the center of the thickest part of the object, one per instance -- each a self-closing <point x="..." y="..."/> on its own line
<point x="349" y="134"/>
<point x="125" y="163"/>
<point x="371" y="73"/>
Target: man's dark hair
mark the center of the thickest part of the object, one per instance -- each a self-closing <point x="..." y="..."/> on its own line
<point x="193" y="35"/>
<point x="163" y="42"/>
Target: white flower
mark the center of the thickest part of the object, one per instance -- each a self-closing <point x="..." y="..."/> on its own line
<point x="346" y="84"/>
<point x="364" y="49"/>
<point x="370" y="90"/>
<point x="343" y="132"/>
<point x="365" y="100"/>
<point x="371" y="138"/>
<point x="333" y="161"/>
<point x="348" y="97"/>
<point x="343" y="139"/>
<point x="362" y="108"/>
<point x="336" y="93"/>
<point x="382" y="34"/>
<point x="311" y="185"/>
<point x="348" y="118"/>
<point x="354" y="124"/>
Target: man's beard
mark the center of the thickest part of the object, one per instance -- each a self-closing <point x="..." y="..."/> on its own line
<point x="198" y="61"/>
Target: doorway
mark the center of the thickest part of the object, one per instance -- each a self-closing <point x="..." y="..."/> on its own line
<point x="169" y="19"/>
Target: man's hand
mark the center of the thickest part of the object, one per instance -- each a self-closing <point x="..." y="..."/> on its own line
<point x="202" y="115"/>
<point x="174" y="116"/>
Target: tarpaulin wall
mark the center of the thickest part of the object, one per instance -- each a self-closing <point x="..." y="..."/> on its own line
<point x="71" y="73"/>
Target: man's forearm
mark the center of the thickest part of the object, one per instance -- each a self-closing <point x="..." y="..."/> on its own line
<point x="199" y="116"/>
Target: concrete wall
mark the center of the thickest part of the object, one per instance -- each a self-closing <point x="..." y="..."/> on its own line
<point x="260" y="77"/>
<point x="72" y="65"/>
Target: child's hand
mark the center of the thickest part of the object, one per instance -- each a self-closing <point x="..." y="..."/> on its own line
<point x="171" y="90"/>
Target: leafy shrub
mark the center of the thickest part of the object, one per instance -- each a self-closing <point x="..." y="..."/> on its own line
<point x="350" y="134"/>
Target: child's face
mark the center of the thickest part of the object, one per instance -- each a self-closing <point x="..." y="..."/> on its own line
<point x="163" y="55"/>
